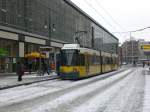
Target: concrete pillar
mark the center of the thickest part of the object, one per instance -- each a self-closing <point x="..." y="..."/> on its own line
<point x="21" y="49"/>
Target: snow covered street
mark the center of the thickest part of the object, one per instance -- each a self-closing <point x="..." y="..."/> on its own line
<point x="126" y="91"/>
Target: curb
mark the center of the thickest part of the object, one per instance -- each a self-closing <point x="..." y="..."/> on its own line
<point x="28" y="83"/>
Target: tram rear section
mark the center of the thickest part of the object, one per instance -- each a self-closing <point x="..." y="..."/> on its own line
<point x="78" y="62"/>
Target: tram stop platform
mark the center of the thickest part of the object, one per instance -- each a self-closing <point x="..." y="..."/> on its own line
<point x="11" y="79"/>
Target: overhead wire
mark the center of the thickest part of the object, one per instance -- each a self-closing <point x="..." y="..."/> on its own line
<point x="110" y="16"/>
<point x="90" y="5"/>
<point x="113" y="20"/>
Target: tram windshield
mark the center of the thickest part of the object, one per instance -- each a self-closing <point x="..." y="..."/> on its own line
<point x="69" y="57"/>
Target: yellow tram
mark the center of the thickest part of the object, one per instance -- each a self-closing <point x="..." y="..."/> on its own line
<point x="78" y="62"/>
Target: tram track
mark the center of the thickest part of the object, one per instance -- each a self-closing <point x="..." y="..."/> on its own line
<point x="104" y="105"/>
<point x="80" y="99"/>
<point x="52" y="96"/>
<point x="132" y="99"/>
<point x="58" y="79"/>
<point x="27" y="83"/>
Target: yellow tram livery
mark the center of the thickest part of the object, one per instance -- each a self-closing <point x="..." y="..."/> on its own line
<point x="78" y="62"/>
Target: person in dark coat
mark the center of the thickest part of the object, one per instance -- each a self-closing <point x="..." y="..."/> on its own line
<point x="58" y="67"/>
<point x="143" y="64"/>
<point x="20" y="71"/>
<point x="45" y="68"/>
<point x="30" y="67"/>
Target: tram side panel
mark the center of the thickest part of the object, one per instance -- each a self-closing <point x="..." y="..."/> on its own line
<point x="93" y="65"/>
<point x="107" y="65"/>
<point x="81" y="65"/>
<point x="85" y="65"/>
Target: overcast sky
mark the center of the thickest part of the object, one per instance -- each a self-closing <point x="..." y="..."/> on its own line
<point x="120" y="16"/>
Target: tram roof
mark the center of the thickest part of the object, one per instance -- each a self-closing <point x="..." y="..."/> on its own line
<point x="77" y="47"/>
<point x="71" y="46"/>
<point x="86" y="50"/>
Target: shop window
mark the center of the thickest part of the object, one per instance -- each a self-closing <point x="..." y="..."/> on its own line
<point x="8" y="53"/>
<point x="4" y="4"/>
<point x="11" y="47"/>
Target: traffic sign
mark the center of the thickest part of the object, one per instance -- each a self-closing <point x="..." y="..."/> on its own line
<point x="145" y="47"/>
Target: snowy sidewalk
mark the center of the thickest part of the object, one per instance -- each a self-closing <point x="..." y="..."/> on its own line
<point x="146" y="107"/>
<point x="11" y="81"/>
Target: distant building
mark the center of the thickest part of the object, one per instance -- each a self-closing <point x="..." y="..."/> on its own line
<point x="144" y="50"/>
<point x="130" y="51"/>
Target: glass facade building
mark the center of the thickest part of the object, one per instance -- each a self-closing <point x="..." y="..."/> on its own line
<point x="57" y="20"/>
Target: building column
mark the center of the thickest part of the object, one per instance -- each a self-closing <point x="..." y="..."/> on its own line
<point x="21" y="49"/>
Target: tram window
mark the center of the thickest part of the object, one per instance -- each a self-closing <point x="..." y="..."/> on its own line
<point x="99" y="58"/>
<point x="89" y="59"/>
<point x="113" y="60"/>
<point x="108" y="61"/>
<point x="69" y="57"/>
<point x="103" y="60"/>
<point x="96" y="60"/>
<point x="93" y="60"/>
<point x="81" y="60"/>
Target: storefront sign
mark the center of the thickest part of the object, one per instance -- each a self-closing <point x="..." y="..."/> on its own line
<point x="145" y="47"/>
<point x="35" y="40"/>
<point x="8" y="35"/>
<point x="3" y="52"/>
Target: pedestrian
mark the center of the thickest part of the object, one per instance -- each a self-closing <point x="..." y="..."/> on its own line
<point x="20" y="70"/>
<point x="30" y="67"/>
<point x="143" y="64"/>
<point x="49" y="69"/>
<point x="45" y="68"/>
<point x="58" y="67"/>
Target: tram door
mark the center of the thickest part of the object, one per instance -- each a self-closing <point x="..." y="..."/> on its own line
<point x="87" y="64"/>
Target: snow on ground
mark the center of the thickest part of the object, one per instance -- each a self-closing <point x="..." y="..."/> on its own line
<point x="6" y="81"/>
<point x="19" y="94"/>
<point x="111" y="100"/>
<point x="130" y="96"/>
<point x="147" y="91"/>
<point x="123" y="92"/>
<point x="12" y="80"/>
<point x="51" y="83"/>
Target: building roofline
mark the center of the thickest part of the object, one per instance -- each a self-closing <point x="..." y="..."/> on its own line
<point x="89" y="17"/>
